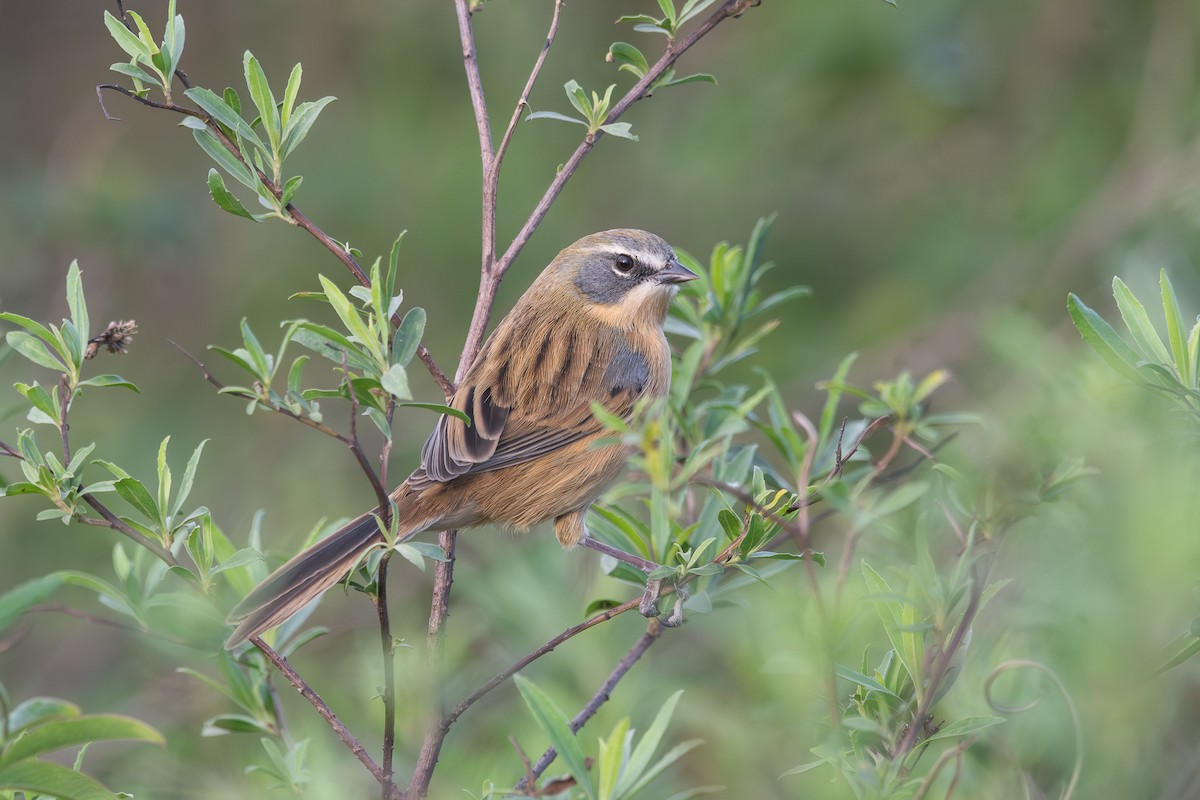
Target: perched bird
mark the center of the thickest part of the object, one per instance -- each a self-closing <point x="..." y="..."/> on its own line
<point x="589" y="330"/>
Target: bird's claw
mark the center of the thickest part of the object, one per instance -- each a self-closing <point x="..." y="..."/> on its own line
<point x="648" y="607"/>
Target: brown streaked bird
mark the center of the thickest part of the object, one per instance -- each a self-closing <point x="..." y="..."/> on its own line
<point x="589" y="330"/>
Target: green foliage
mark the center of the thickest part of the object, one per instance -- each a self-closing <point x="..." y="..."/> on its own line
<point x="1171" y="369"/>
<point x="672" y="20"/>
<point x="621" y="768"/>
<point x="44" y="725"/>
<point x="221" y="131"/>
<point x="149" y="63"/>
<point x="594" y="111"/>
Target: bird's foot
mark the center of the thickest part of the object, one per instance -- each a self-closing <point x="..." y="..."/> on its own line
<point x="648" y="607"/>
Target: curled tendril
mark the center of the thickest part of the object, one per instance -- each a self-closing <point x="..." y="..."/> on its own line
<point x="1003" y="708"/>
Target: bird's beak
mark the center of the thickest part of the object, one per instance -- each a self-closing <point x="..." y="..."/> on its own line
<point x="675" y="273"/>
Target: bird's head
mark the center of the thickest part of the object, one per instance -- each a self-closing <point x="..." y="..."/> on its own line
<point x="623" y="276"/>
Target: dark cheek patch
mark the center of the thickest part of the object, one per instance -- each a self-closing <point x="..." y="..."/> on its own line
<point x="602" y="286"/>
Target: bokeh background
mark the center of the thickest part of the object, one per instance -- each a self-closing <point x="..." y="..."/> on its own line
<point x="944" y="172"/>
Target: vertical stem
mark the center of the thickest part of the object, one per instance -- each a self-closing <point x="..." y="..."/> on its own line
<point x="389" y="676"/>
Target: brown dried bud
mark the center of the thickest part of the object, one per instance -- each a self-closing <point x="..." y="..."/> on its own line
<point x="116" y="338"/>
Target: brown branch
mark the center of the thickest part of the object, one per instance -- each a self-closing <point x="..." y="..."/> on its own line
<point x="389" y="676"/>
<point x="208" y="376"/>
<point x="64" y="403"/>
<point x="280" y="663"/>
<point x="653" y="631"/>
<point x="439" y="610"/>
<point x="938" y="673"/>
<point x="525" y="661"/>
<point x="487" y="152"/>
<point x="360" y="455"/>
<point x="119" y="525"/>
<point x="295" y="216"/>
<point x="483" y="305"/>
<point x="491" y="172"/>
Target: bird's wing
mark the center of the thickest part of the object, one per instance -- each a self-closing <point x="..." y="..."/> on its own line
<point x="515" y="417"/>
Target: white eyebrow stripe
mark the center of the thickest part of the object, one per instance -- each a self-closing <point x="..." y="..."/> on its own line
<point x="645" y="256"/>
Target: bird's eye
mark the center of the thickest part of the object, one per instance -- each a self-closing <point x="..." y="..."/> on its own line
<point x="623" y="264"/>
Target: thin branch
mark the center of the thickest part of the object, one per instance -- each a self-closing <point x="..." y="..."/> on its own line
<point x="483" y="305"/>
<point x="296" y="217"/>
<point x="280" y="663"/>
<point x="487" y="152"/>
<point x="653" y="631"/>
<point x="525" y="661"/>
<point x="360" y="455"/>
<point x="389" y="676"/>
<point x="439" y="611"/>
<point x="64" y="403"/>
<point x="317" y="426"/>
<point x="940" y="665"/>
<point x="491" y="177"/>
<point x="119" y="525"/>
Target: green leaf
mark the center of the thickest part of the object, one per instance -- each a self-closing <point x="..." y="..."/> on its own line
<point x="1179" y="650"/>
<point x="34" y="350"/>
<point x="136" y="72"/>
<point x="439" y="408"/>
<point x="965" y="727"/>
<point x="264" y="100"/>
<point x="1138" y="323"/>
<point x="554" y="115"/>
<point x="578" y="98"/>
<point x="670" y="757"/>
<point x="350" y="318"/>
<point x="109" y="380"/>
<point x="1175" y="331"/>
<point x="301" y="123"/>
<point x="1103" y="339"/>
<point x="64" y="733"/>
<point x="131" y="44"/>
<point x="330" y="344"/>
<point x="553" y="722"/>
<point x="639" y="760"/>
<point x="803" y="768"/>
<point x="395" y="382"/>
<point x="699" y="77"/>
<point x="133" y="492"/>
<point x="189" y="476"/>
<point x="628" y="58"/>
<point x="225" y="199"/>
<point x="225" y="159"/>
<point x="408" y="336"/>
<point x="668" y="9"/>
<point x="20" y="599"/>
<point x="620" y="129"/>
<point x="262" y="362"/>
<point x="41" y="401"/>
<point x="858" y="678"/>
<point x="37" y="711"/>
<point x="227" y="111"/>
<point x="289" y="189"/>
<point x="51" y="779"/>
<point x="289" y="95"/>
<point x="36" y="328"/>
<point x="234" y="723"/>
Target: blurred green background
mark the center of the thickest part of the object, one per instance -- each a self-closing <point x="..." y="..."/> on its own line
<point x="944" y="172"/>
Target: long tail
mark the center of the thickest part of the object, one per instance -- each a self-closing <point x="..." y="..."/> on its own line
<point x="291" y="587"/>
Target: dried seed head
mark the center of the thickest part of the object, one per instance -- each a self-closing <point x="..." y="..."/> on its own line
<point x="116" y="338"/>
